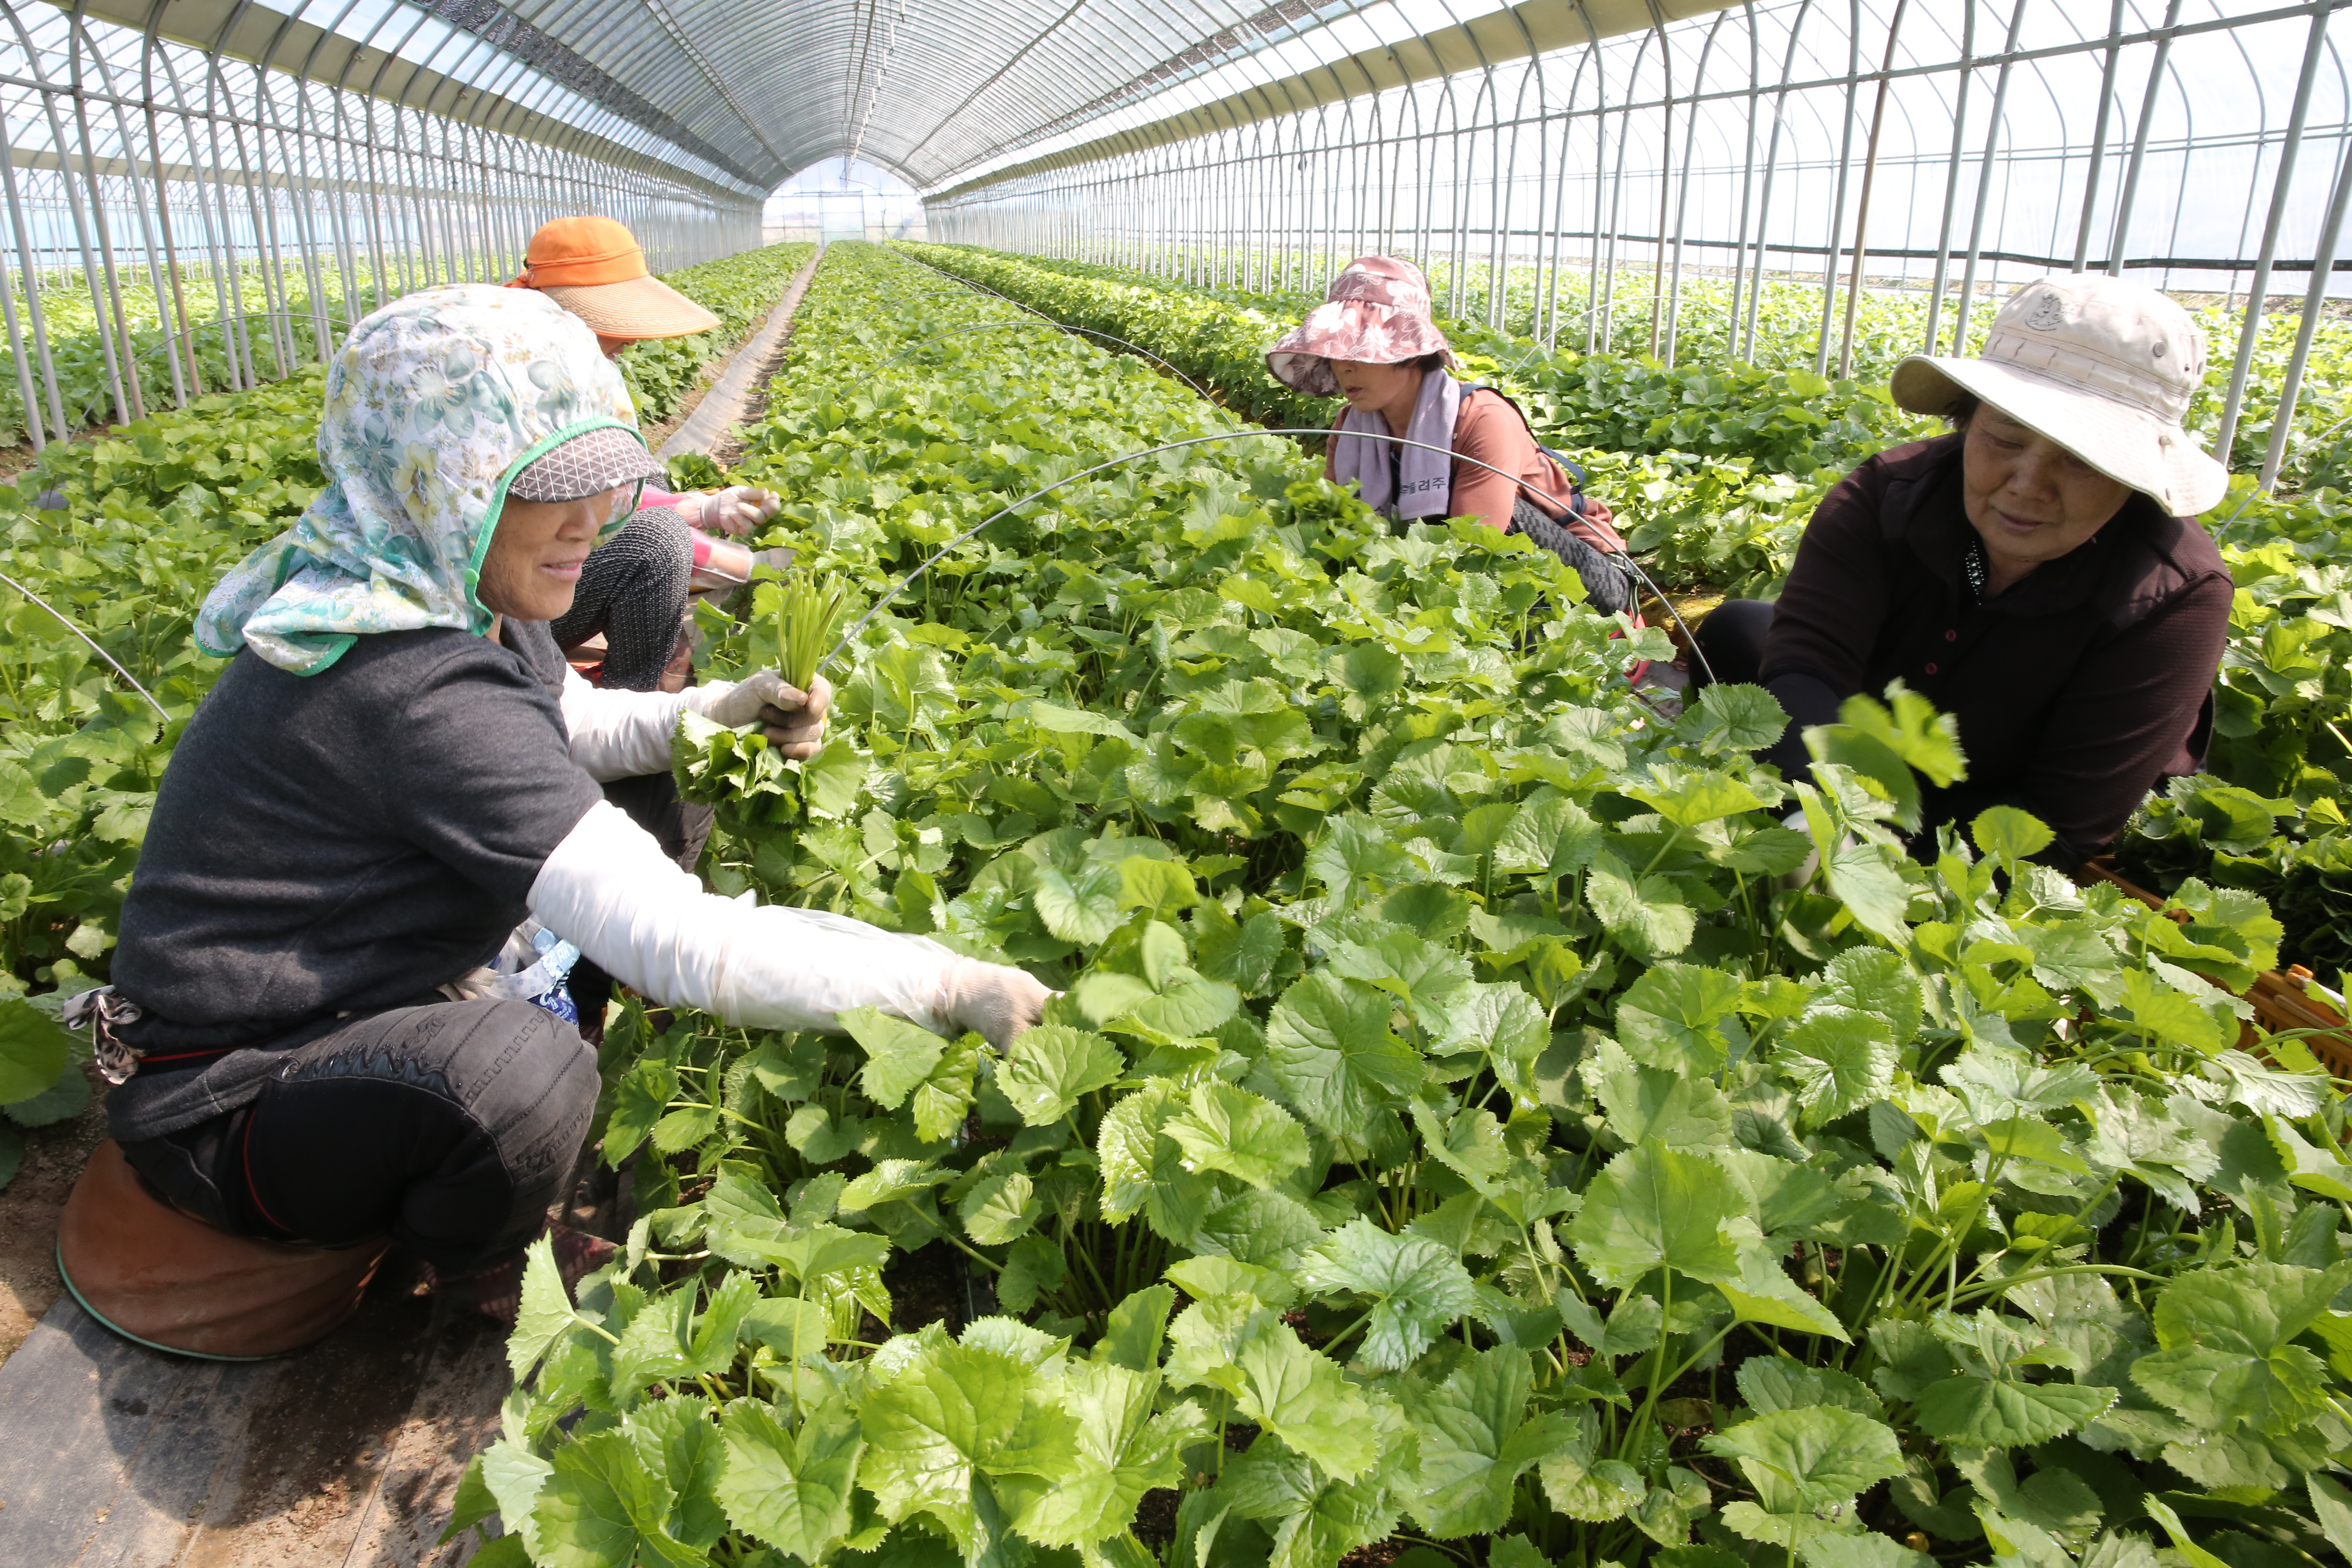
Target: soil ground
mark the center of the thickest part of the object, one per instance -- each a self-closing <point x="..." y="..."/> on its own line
<point x="29" y="1208"/>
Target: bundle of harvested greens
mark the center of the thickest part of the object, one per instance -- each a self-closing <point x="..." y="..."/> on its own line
<point x="807" y="615"/>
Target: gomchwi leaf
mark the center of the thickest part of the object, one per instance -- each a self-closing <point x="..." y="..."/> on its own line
<point x="899" y="1055"/>
<point x="1316" y="1517"/>
<point x="1552" y="838"/>
<point x="1121" y="1450"/>
<point x="602" y="1505"/>
<point x="1223" y="1128"/>
<point x="2011" y="836"/>
<point x="1836" y="1060"/>
<point x="1647" y="914"/>
<point x="1866" y="878"/>
<point x="1672" y="1017"/>
<point x="2332" y="1506"/>
<point x="2227" y="1357"/>
<point x="1058" y="719"/>
<point x="677" y="1441"/>
<point x="1081" y="906"/>
<point x="1811" y="1457"/>
<point x="2000" y="1413"/>
<point x="1136" y="1325"/>
<point x="1653" y="1208"/>
<point x="1476" y="1440"/>
<point x="1689" y="800"/>
<point x="1416" y="1288"/>
<point x="1049" y="1067"/>
<point x="546" y="1309"/>
<point x="1783" y="1382"/>
<point x="950" y="1413"/>
<point x="1734" y="718"/>
<point x="1880" y="982"/>
<point x="790" y="1489"/>
<point x="1639" y="1102"/>
<point x="1298" y="1394"/>
<point x="1331" y="1053"/>
<point x="33" y="1050"/>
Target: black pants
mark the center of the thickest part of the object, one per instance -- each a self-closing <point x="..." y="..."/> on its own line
<point x="1731" y="642"/>
<point x="449" y="1128"/>
<point x="632" y="589"/>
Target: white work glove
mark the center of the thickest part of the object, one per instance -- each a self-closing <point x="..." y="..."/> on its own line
<point x="995" y="999"/>
<point x="794" y="719"/>
<point x="737" y="508"/>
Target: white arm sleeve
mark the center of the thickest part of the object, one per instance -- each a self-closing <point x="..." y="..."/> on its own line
<point x="621" y="734"/>
<point x="610" y="891"/>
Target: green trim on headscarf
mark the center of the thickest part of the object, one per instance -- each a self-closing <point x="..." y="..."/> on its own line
<point x="427" y="405"/>
<point x="538" y="449"/>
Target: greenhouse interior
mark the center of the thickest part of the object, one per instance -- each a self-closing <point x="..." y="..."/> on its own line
<point x="1062" y="958"/>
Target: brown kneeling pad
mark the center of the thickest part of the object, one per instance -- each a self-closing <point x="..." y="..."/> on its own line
<point x="167" y="1281"/>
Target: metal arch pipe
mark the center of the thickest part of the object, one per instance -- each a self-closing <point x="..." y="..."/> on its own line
<point x="2322" y="261"/>
<point x="2130" y="195"/>
<point x="2256" y="294"/>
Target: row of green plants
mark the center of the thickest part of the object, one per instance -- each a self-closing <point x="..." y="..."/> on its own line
<point x="1473" y="1124"/>
<point x="1716" y="468"/>
<point x="741" y="290"/>
<point x="274" y="331"/>
<point x="1713" y="468"/>
<point x="1889" y="324"/>
<point x="120" y="537"/>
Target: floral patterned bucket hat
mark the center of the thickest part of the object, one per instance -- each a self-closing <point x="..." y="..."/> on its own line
<point x="1377" y="312"/>
<point x="435" y="407"/>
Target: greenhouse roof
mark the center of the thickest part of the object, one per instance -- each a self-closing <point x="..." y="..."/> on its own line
<point x="940" y="91"/>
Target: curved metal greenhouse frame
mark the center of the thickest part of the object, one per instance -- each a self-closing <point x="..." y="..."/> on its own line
<point x="213" y="187"/>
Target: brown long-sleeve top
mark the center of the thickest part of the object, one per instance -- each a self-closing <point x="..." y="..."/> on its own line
<point x="2076" y="691"/>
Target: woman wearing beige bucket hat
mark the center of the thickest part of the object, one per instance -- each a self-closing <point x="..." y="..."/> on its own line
<point x="1472" y="454"/>
<point x="2038" y="573"/>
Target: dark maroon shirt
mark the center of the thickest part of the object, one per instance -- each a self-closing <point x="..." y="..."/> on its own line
<point x="2077" y="690"/>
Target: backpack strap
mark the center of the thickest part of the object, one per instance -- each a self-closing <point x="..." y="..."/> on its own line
<point x="1573" y="470"/>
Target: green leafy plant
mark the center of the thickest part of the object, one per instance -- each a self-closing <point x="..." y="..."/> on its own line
<point x="1453" y="1131"/>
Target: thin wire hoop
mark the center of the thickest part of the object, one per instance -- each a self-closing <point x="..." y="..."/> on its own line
<point x="67" y="621"/>
<point x="940" y="554"/>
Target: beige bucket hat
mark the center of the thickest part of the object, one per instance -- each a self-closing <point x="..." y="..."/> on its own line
<point x="2102" y="366"/>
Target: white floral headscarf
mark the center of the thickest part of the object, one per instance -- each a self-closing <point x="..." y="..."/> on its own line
<point x="434" y="404"/>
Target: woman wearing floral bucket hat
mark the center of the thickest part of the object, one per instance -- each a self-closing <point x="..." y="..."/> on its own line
<point x="339" y="1013"/>
<point x="1473" y="453"/>
<point x="2038" y="573"/>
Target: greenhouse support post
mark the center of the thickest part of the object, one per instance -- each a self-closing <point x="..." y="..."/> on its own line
<point x="2130" y="197"/>
<point x="1952" y="175"/>
<point x="1862" y="203"/>
<point x="1845" y="166"/>
<point x="2314" y="300"/>
<point x="2099" y="135"/>
<point x="2251" y="333"/>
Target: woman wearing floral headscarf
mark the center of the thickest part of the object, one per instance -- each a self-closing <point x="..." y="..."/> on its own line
<point x="395" y="773"/>
<point x="1471" y="452"/>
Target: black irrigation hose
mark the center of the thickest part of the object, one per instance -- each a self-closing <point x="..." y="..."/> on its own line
<point x="941" y="554"/>
<point x="1059" y="326"/>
